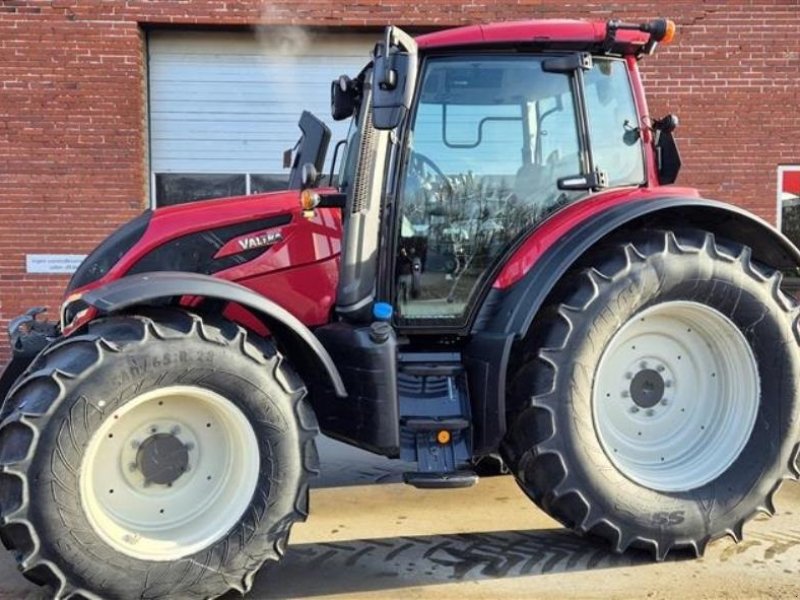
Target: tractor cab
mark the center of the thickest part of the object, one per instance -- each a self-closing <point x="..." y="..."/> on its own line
<point x="467" y="153"/>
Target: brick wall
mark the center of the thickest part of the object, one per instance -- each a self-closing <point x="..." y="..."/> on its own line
<point x="73" y="134"/>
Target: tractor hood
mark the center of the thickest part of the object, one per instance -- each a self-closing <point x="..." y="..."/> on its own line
<point x="243" y="239"/>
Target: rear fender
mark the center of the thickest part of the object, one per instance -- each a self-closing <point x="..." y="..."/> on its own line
<point x="508" y="314"/>
<point x="299" y="343"/>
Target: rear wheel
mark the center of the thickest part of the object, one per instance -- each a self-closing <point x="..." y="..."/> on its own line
<point x="657" y="404"/>
<point x="157" y="456"/>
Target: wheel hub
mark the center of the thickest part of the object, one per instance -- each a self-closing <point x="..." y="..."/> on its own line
<point x="675" y="396"/>
<point x="169" y="472"/>
<point x="162" y="458"/>
<point x="647" y="388"/>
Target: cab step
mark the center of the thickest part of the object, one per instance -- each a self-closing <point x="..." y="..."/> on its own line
<point x="435" y="423"/>
<point x="438" y="481"/>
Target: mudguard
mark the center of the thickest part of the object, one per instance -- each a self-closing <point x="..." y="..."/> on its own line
<point x="146" y="287"/>
<point x="507" y="314"/>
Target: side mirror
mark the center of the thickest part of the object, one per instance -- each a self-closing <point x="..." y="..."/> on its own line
<point x="310" y="149"/>
<point x="288" y="156"/>
<point x="668" y="156"/>
<point x="343" y="98"/>
<point x="394" y="72"/>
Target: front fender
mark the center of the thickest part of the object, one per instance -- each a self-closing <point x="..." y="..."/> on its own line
<point x="140" y="289"/>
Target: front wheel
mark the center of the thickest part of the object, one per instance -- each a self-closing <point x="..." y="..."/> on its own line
<point x="154" y="456"/>
<point x="657" y="405"/>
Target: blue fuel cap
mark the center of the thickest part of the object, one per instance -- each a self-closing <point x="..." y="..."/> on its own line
<point x="382" y="311"/>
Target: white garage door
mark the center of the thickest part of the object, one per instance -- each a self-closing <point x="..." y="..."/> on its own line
<point x="224" y="106"/>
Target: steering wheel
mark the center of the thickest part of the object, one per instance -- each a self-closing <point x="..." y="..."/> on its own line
<point x="419" y="163"/>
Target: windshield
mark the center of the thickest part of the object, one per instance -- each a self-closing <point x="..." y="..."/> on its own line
<point x="489" y="141"/>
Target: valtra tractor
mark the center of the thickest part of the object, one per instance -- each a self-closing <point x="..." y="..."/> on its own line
<point x="502" y="268"/>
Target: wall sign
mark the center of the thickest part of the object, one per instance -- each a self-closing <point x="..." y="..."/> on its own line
<point x="789" y="201"/>
<point x="53" y="263"/>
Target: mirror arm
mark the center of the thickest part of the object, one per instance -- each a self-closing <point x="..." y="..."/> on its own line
<point x="394" y="36"/>
<point x="336" y="148"/>
<point x="389" y="78"/>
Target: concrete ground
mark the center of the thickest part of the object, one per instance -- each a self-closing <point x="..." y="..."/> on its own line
<point x="387" y="540"/>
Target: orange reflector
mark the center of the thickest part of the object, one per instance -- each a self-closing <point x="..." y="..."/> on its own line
<point x="443" y="437"/>
<point x="309" y="199"/>
<point x="670" y="34"/>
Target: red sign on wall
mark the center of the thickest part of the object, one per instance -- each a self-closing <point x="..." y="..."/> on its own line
<point x="789" y="183"/>
<point x="789" y="201"/>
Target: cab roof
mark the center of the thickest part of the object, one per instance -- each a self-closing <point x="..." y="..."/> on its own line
<point x="556" y="33"/>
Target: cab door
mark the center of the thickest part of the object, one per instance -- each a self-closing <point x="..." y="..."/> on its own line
<point x="488" y="141"/>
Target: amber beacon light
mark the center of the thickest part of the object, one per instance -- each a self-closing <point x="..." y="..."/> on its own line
<point x="661" y="31"/>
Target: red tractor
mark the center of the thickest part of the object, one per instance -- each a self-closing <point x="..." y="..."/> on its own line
<point x="501" y="268"/>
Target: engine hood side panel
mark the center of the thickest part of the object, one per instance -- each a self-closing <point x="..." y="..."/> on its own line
<point x="264" y="242"/>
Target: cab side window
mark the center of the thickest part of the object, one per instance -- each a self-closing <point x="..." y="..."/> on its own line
<point x="613" y="123"/>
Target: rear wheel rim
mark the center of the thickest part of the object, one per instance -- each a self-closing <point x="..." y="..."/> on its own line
<point x="169" y="473"/>
<point x="675" y="396"/>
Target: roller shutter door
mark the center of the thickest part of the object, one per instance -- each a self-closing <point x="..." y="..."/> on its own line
<point x="223" y="106"/>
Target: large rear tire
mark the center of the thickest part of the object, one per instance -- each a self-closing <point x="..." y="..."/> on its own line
<point x="154" y="456"/>
<point x="656" y="405"/>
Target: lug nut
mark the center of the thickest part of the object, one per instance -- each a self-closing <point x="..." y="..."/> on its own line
<point x="643" y="365"/>
<point x="664" y="401"/>
<point x="629" y="375"/>
<point x="634" y="409"/>
<point x="660" y="368"/>
<point x="132" y="466"/>
<point x="189" y="446"/>
<point x="667" y="384"/>
<point x="175" y="430"/>
<point x="650" y="412"/>
<point x="625" y="393"/>
<point x="135" y="444"/>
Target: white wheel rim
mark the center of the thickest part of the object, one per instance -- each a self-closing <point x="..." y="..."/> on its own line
<point x="701" y="422"/>
<point x="166" y="521"/>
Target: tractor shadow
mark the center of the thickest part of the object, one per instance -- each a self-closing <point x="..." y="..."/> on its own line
<point x="310" y="570"/>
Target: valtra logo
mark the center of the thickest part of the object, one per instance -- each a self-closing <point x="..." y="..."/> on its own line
<point x="259" y="241"/>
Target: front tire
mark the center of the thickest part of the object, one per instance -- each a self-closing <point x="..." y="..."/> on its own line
<point x="154" y="456"/>
<point x="657" y="403"/>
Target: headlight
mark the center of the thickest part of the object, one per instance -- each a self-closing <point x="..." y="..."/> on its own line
<point x="110" y="250"/>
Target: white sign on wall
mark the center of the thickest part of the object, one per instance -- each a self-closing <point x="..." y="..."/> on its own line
<point x="53" y="263"/>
